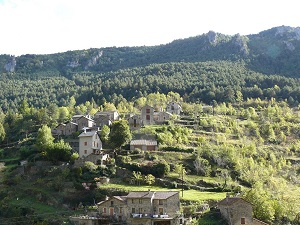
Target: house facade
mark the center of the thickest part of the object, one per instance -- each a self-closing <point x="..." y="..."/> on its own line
<point x="135" y="122"/>
<point x="143" y="207"/>
<point x="89" y="143"/>
<point x="70" y="128"/>
<point x="85" y="121"/>
<point x="147" y="115"/>
<point x="238" y="211"/>
<point x="174" y="108"/>
<point x="161" y="117"/>
<point x="145" y="145"/>
<point x="60" y="129"/>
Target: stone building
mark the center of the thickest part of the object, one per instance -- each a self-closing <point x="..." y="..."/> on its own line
<point x="174" y="108"/>
<point x="147" y="115"/>
<point x="238" y="211"/>
<point x="135" y="122"/>
<point x="89" y="143"/>
<point x="145" y="145"/>
<point x="161" y="117"/>
<point x="102" y="118"/>
<point x="143" y="207"/>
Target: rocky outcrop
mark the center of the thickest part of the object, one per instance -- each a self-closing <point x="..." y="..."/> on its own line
<point x="73" y="64"/>
<point x="289" y="45"/>
<point x="93" y="60"/>
<point x="241" y="43"/>
<point x="10" y="67"/>
<point x="212" y="37"/>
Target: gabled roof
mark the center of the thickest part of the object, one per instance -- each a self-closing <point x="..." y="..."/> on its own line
<point x="88" y="133"/>
<point x="147" y="106"/>
<point x="164" y="194"/>
<point x="87" y="118"/>
<point x="71" y="123"/>
<point x="77" y="116"/>
<point x="231" y="200"/>
<point x="140" y="194"/>
<point x="61" y="124"/>
<point x="173" y="103"/>
<point x="143" y="142"/>
<point x="152" y="194"/>
<point x="120" y="198"/>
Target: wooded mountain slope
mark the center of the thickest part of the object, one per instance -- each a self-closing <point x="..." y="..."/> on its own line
<point x="207" y="67"/>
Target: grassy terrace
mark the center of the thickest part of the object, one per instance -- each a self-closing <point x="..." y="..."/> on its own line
<point x="188" y="195"/>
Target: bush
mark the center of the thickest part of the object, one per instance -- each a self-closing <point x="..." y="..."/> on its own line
<point x="177" y="149"/>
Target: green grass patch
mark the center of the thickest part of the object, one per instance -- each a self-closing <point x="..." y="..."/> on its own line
<point x="38" y="207"/>
<point x="188" y="195"/>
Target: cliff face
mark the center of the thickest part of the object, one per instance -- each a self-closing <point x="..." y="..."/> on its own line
<point x="11" y="65"/>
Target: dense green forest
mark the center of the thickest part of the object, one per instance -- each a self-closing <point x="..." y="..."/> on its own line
<point x="200" y="81"/>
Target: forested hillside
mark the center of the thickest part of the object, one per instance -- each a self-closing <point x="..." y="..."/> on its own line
<point x="213" y="66"/>
<point x="239" y="131"/>
<point x="200" y="81"/>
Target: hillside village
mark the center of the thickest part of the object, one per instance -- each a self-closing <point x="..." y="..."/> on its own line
<point x="89" y="144"/>
<point x="211" y="133"/>
<point x="139" y="207"/>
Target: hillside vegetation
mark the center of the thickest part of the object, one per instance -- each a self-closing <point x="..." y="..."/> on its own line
<point x="239" y="132"/>
<point x="250" y="148"/>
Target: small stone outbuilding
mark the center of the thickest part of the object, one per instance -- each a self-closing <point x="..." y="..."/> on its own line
<point x="238" y="211"/>
<point x="145" y="145"/>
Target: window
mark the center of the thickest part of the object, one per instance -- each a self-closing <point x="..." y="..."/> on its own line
<point x="85" y="143"/>
<point x="121" y="209"/>
<point x="111" y="203"/>
<point x="133" y="210"/>
<point x="104" y="210"/>
<point x="147" y="110"/>
<point x="243" y="220"/>
<point x="147" y="117"/>
<point x="132" y="201"/>
<point x="140" y="201"/>
<point x="160" y="202"/>
<point x="140" y="210"/>
<point x="94" y="144"/>
<point x="160" y="211"/>
<point x="97" y="145"/>
<point x="85" y="151"/>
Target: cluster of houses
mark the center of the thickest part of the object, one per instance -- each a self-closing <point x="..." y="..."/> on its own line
<point x="160" y="208"/>
<point x="89" y="144"/>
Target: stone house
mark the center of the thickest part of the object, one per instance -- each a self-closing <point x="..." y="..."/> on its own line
<point x="145" y="145"/>
<point x="67" y="128"/>
<point x="70" y="128"/>
<point x="102" y="120"/>
<point x="105" y="118"/>
<point x="143" y="207"/>
<point x="147" y="115"/>
<point x="161" y="117"/>
<point x="85" y="121"/>
<point x="174" y="108"/>
<point x="89" y="143"/>
<point x="135" y="122"/>
<point x="59" y="129"/>
<point x="115" y="208"/>
<point x="238" y="211"/>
